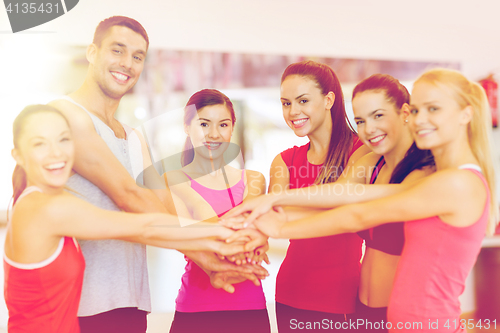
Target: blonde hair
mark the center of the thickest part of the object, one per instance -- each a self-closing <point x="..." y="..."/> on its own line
<point x="479" y="128"/>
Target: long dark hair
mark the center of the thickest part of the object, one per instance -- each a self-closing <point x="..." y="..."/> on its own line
<point x="414" y="159"/>
<point x="19" y="180"/>
<point x="198" y="101"/>
<point x="398" y="95"/>
<point x="342" y="134"/>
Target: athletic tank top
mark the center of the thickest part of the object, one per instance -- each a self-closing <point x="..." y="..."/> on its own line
<point x="197" y="293"/>
<point x="431" y="274"/>
<point x="116" y="275"/>
<point x="43" y="297"/>
<point x="320" y="274"/>
<point x="388" y="238"/>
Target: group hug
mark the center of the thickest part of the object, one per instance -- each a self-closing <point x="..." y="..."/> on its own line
<point x="415" y="182"/>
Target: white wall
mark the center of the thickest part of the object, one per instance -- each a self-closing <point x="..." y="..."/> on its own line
<point x="458" y="30"/>
<point x="427" y="30"/>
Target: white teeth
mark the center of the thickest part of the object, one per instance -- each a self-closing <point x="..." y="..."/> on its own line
<point x="56" y="166"/>
<point x="119" y="76"/>
<point x="377" y="139"/>
<point x="298" y="122"/>
<point x="421" y="132"/>
<point x="213" y="144"/>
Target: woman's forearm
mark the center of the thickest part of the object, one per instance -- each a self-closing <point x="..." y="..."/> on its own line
<point x="326" y="223"/>
<point x="334" y="194"/>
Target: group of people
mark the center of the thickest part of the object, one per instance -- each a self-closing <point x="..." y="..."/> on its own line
<point x="424" y="199"/>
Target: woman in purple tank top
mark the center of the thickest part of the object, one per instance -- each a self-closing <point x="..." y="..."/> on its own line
<point x="447" y="213"/>
<point x="209" y="188"/>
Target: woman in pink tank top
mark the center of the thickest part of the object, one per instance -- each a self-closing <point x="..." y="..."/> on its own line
<point x="43" y="263"/>
<point x="447" y="213"/>
<point x="209" y="188"/>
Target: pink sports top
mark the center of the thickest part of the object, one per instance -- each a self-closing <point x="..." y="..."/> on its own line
<point x="196" y="293"/>
<point x="431" y="274"/>
<point x="319" y="274"/>
<point x="44" y="297"/>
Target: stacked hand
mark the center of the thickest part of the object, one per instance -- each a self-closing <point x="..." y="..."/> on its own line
<point x="240" y="265"/>
<point x="269" y="224"/>
<point x="252" y="209"/>
<point x="223" y="274"/>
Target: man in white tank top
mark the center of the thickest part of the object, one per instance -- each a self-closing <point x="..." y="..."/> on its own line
<point x="115" y="295"/>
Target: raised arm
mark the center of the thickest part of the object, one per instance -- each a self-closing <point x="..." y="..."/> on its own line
<point x="458" y="197"/>
<point x="153" y="181"/>
<point x="95" y="162"/>
<point x="350" y="188"/>
<point x="255" y="185"/>
<point x="66" y="215"/>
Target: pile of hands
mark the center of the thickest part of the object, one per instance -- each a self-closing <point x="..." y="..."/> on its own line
<point x="244" y="244"/>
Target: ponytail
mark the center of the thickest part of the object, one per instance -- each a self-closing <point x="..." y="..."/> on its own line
<point x="187" y="155"/>
<point x="414" y="159"/>
<point x="469" y="93"/>
<point x="480" y="142"/>
<point x="19" y="182"/>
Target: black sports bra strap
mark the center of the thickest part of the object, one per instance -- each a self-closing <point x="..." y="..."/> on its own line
<point x="376" y="170"/>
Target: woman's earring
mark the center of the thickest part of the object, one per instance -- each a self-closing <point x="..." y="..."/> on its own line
<point x="406" y="120"/>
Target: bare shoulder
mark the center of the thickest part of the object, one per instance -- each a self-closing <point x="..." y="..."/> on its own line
<point x="255" y="182"/>
<point x="76" y="116"/>
<point x="42" y="209"/>
<point x="360" y="171"/>
<point x="368" y="160"/>
<point x="278" y="161"/>
<point x="30" y="208"/>
<point x="360" y="153"/>
<point x="419" y="174"/>
<point x="254" y="178"/>
<point x="175" y="177"/>
<point x="456" y="183"/>
<point x="279" y="169"/>
<point x="252" y="174"/>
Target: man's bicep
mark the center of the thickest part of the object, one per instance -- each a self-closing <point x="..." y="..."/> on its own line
<point x="97" y="163"/>
<point x="93" y="158"/>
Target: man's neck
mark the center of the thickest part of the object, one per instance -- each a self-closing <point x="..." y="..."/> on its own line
<point x="95" y="101"/>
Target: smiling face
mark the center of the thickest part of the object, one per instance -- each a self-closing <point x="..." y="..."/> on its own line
<point x="305" y="108"/>
<point x="210" y="131"/>
<point x="118" y="62"/>
<point x="45" y="151"/>
<point x="380" y="123"/>
<point x="436" y="118"/>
